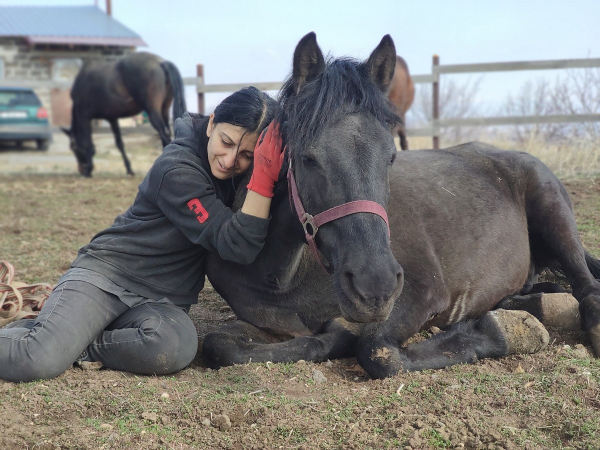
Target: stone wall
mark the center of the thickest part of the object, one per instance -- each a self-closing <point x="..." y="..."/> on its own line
<point x="38" y="63"/>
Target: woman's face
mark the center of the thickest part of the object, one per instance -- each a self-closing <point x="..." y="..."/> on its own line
<point x="230" y="149"/>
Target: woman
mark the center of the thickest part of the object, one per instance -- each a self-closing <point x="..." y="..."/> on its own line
<point x="125" y="300"/>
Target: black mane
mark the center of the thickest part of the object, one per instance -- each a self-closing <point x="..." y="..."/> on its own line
<point x="342" y="88"/>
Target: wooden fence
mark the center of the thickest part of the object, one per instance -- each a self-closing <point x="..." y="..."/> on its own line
<point x="434" y="128"/>
<point x="437" y="70"/>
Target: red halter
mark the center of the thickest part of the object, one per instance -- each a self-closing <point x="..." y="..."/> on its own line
<point x="311" y="223"/>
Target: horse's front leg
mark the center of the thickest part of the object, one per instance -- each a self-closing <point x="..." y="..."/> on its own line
<point x="494" y="334"/>
<point x="240" y="342"/>
<point x="378" y="349"/>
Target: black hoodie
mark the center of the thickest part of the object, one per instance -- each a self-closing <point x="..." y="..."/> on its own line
<point x="157" y="248"/>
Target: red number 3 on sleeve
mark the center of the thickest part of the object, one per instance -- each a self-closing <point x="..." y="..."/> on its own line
<point x="201" y="213"/>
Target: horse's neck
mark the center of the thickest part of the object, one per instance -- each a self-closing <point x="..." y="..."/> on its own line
<point x="81" y="127"/>
<point x="280" y="258"/>
<point x="284" y="244"/>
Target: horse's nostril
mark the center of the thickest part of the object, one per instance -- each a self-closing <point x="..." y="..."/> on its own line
<point x="348" y="280"/>
<point x="399" y="271"/>
<point x="371" y="289"/>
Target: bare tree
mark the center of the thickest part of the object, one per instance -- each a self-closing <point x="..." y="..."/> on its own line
<point x="533" y="99"/>
<point x="577" y="92"/>
<point x="457" y="100"/>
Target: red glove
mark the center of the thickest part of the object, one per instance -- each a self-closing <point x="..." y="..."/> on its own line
<point x="268" y="158"/>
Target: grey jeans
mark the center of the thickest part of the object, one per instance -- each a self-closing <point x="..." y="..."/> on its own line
<point x="156" y="337"/>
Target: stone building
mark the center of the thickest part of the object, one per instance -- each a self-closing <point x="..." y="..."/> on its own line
<point x="44" y="47"/>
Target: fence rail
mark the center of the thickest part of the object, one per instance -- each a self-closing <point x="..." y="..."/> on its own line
<point x="434" y="128"/>
<point x="518" y="65"/>
<point x="519" y="120"/>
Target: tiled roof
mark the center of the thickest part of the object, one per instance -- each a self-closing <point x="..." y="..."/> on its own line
<point x="65" y="25"/>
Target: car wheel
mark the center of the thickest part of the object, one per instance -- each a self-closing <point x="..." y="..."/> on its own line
<point x="42" y="144"/>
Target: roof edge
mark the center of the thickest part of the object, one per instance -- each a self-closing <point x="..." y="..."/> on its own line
<point x="83" y="40"/>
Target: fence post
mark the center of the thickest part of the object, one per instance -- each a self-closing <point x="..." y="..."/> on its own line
<point x="199" y="83"/>
<point x="436" y="103"/>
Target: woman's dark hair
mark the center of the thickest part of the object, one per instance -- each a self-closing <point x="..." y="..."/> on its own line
<point x="248" y="108"/>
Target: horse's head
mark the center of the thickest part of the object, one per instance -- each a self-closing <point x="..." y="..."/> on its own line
<point x="83" y="155"/>
<point x="338" y="131"/>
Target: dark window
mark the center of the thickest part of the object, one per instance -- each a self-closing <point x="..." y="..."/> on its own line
<point x="19" y="98"/>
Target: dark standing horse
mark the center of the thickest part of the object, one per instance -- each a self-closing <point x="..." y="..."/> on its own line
<point x="402" y="94"/>
<point x="111" y="90"/>
<point x="470" y="226"/>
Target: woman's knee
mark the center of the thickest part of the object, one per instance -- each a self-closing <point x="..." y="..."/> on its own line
<point x="169" y="341"/>
<point x="40" y="368"/>
<point x="175" y="345"/>
<point x="24" y="356"/>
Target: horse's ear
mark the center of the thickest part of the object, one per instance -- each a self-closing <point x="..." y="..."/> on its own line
<point x="308" y="61"/>
<point x="66" y="131"/>
<point x="382" y="62"/>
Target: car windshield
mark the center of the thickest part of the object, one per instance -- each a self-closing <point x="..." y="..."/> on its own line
<point x="18" y="98"/>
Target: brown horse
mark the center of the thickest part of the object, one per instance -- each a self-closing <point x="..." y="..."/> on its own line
<point x="111" y="90"/>
<point x="402" y="95"/>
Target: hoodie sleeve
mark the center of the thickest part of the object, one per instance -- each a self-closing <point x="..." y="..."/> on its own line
<point x="188" y="200"/>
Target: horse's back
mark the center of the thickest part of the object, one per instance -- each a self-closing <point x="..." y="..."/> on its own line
<point x="139" y="63"/>
<point x="91" y="78"/>
<point x="458" y="213"/>
<point x="465" y="182"/>
<point x="144" y="78"/>
<point x="476" y="159"/>
<point x="477" y="172"/>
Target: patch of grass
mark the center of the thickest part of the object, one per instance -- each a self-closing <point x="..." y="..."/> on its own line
<point x="92" y="422"/>
<point x="237" y="379"/>
<point x="129" y="424"/>
<point x="292" y="434"/>
<point x="288" y="369"/>
<point x="436" y="440"/>
<point x="412" y="386"/>
<point x="588" y="226"/>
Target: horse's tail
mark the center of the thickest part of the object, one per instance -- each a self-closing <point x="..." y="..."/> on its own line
<point x="593" y="264"/>
<point x="176" y="83"/>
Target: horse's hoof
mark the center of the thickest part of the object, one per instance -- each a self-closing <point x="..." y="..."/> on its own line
<point x="521" y="331"/>
<point x="594" y="335"/>
<point x="590" y="319"/>
<point x="131" y="174"/>
<point x="560" y="310"/>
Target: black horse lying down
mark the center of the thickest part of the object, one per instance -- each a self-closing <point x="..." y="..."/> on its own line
<point x="470" y="226"/>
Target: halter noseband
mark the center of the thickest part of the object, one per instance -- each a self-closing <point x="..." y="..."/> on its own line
<point x="312" y="223"/>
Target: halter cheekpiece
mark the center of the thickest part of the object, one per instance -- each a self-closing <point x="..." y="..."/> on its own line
<point x="312" y="223"/>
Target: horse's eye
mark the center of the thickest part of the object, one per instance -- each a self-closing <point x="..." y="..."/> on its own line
<point x="309" y="161"/>
<point x="393" y="157"/>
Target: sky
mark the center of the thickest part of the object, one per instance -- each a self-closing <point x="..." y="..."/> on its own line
<point x="254" y="40"/>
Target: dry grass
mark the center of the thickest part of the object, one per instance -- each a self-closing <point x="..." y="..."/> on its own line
<point x="579" y="158"/>
<point x="546" y="400"/>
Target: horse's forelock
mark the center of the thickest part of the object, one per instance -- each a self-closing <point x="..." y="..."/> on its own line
<point x="342" y="88"/>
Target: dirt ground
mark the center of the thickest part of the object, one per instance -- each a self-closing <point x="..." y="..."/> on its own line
<point x="547" y="400"/>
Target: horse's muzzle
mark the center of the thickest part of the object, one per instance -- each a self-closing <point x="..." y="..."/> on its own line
<point x="369" y="295"/>
<point x="85" y="170"/>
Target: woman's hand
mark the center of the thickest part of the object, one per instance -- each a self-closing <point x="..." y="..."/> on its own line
<point x="268" y="158"/>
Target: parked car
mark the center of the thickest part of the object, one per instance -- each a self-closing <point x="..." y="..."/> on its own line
<point x="23" y="118"/>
